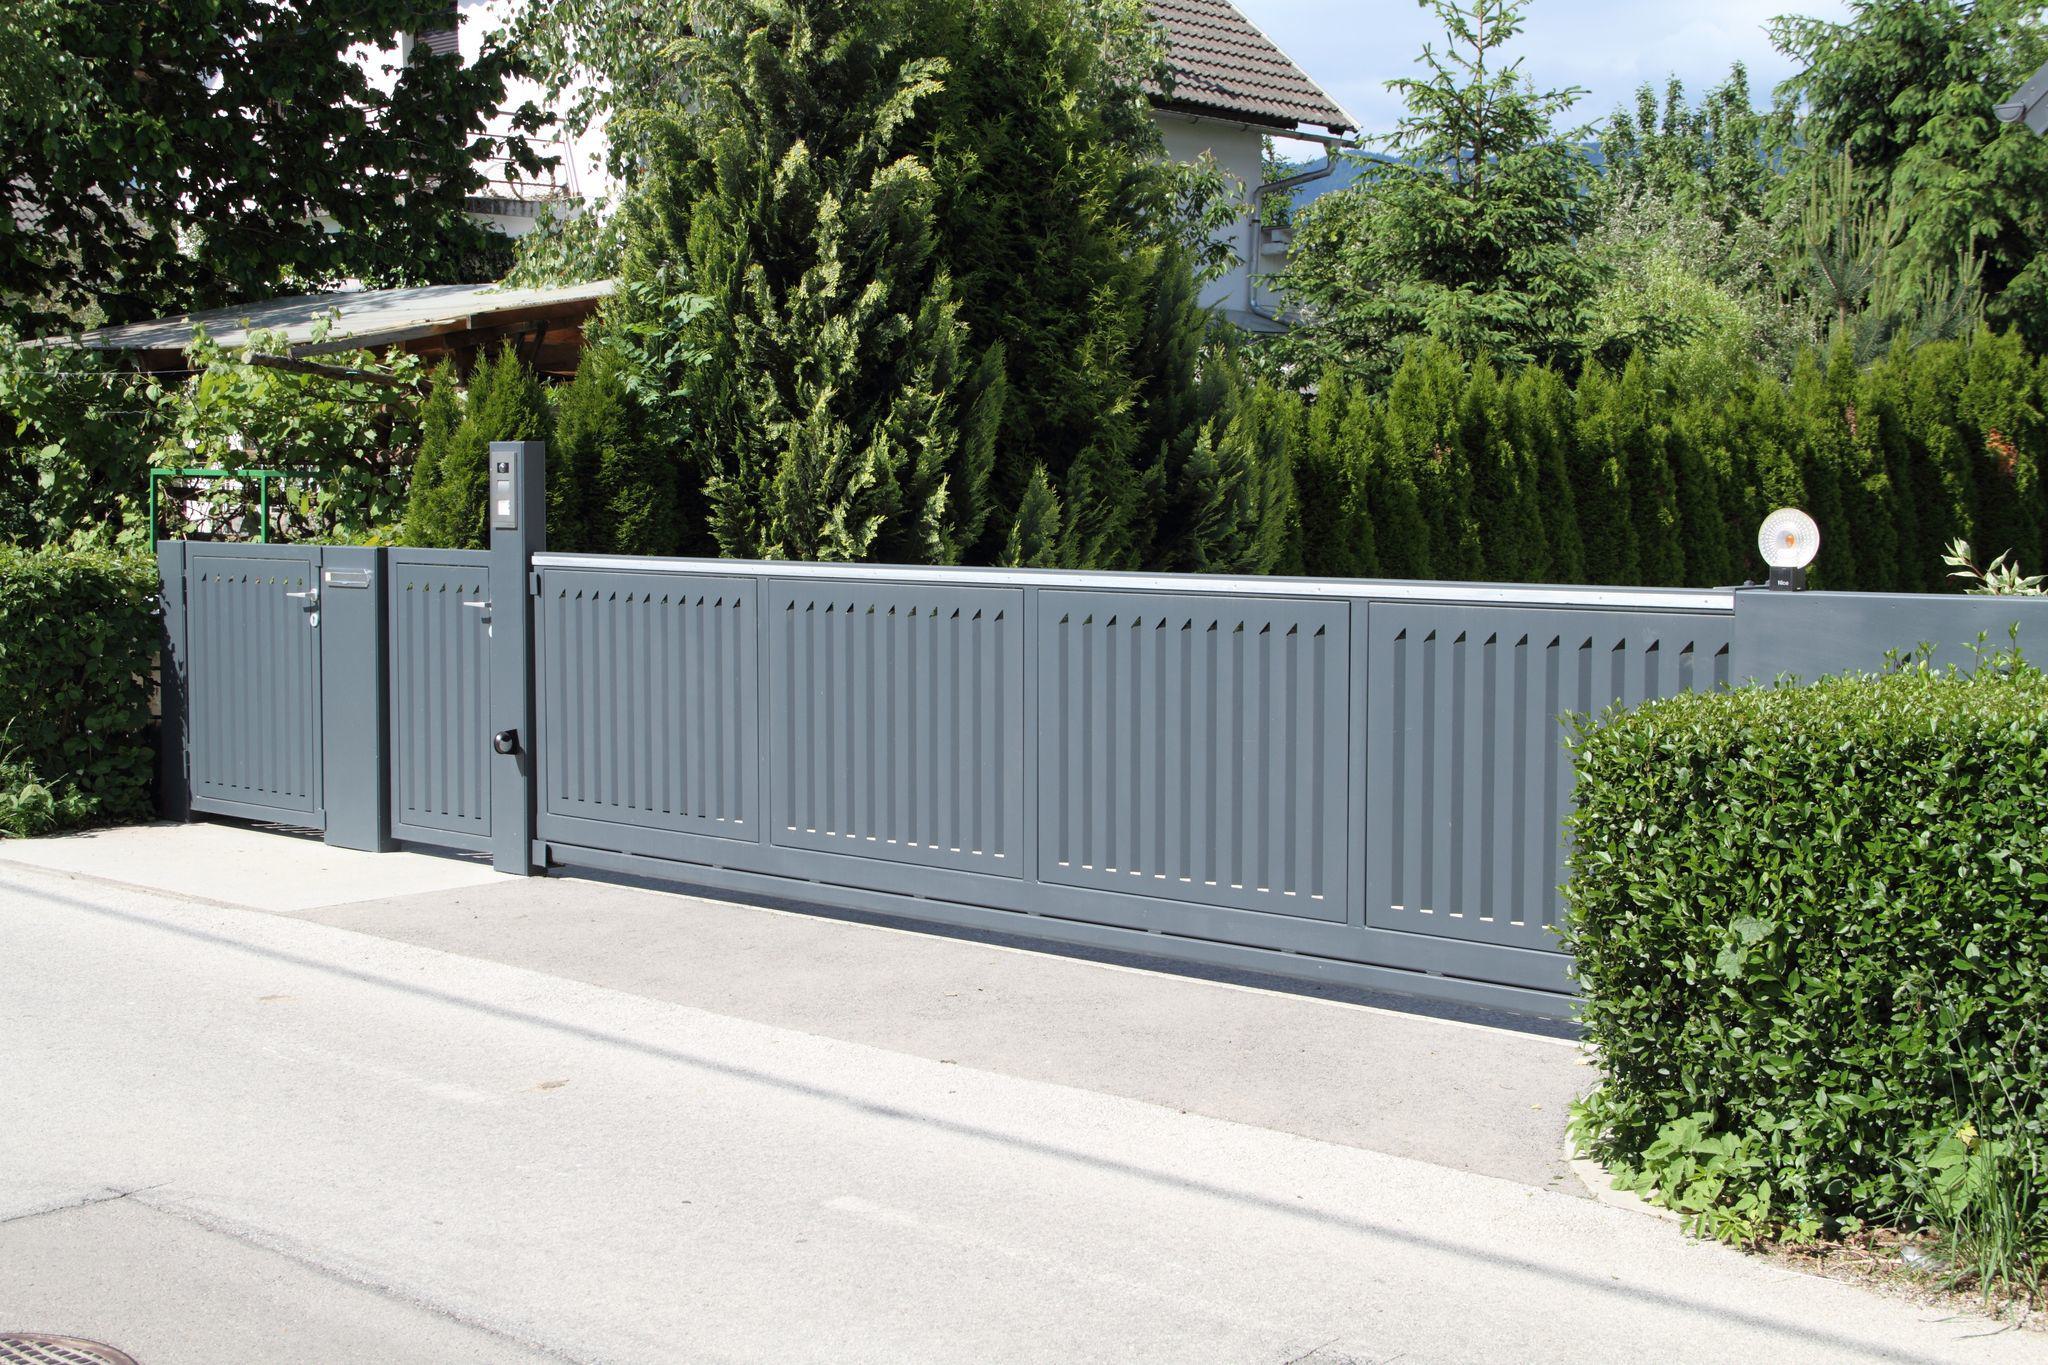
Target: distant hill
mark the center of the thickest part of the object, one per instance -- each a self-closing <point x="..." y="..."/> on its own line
<point x="1353" y="162"/>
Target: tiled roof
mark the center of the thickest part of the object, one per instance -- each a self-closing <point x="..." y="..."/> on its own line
<point x="1222" y="64"/>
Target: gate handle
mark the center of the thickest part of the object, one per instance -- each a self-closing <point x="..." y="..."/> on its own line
<point x="311" y="594"/>
<point x="484" y="604"/>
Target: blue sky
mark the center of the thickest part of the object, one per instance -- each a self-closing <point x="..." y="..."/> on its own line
<point x="1353" y="47"/>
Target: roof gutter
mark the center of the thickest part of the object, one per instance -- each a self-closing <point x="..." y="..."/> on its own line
<point x="1297" y="133"/>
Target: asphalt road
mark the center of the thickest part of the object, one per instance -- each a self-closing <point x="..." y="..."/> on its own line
<point x="244" y="1136"/>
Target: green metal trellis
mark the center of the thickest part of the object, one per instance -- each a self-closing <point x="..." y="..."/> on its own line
<point x="263" y="479"/>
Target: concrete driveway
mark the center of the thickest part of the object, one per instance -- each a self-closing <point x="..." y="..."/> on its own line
<point x="272" y="1102"/>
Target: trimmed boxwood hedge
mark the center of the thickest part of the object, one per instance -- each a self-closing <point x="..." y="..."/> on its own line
<point x="77" y="635"/>
<point x="1811" y="929"/>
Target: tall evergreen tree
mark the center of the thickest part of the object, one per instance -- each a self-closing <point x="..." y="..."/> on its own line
<point x="440" y="416"/>
<point x="1504" y="503"/>
<point x="1600" y="480"/>
<point x="1467" y="233"/>
<point x="1034" y="536"/>
<point x="1907" y="89"/>
<point x="940" y="251"/>
<point x="627" y="481"/>
<point x="1425" y="440"/>
<point x="1333" y="520"/>
<point x="506" y="402"/>
<point x="1541" y="413"/>
<point x="792" y="191"/>
<point x="1641" y="435"/>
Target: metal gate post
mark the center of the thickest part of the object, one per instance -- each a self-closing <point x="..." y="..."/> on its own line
<point x="173" y="759"/>
<point x="355" y="720"/>
<point x="517" y="516"/>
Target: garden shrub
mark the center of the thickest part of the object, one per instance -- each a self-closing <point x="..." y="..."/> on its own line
<point x="1811" y="929"/>
<point x="77" y="634"/>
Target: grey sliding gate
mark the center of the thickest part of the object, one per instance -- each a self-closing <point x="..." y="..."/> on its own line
<point x="1362" y="782"/>
<point x="1323" y="779"/>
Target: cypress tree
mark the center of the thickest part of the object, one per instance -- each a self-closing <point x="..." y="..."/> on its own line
<point x="1033" y="541"/>
<point x="506" y="403"/>
<point x="1884" y="426"/>
<point x="1642" y="442"/>
<point x="1822" y="433"/>
<point x="1540" y="408"/>
<point x="1236" y="490"/>
<point x="1422" y="434"/>
<point x="1940" y="475"/>
<point x="1333" y="521"/>
<point x="1600" y="483"/>
<point x="791" y="194"/>
<point x="936" y="250"/>
<point x="1698" y="459"/>
<point x="440" y="416"/>
<point x="628" y="481"/>
<point x="1504" y="503"/>
<point x="1388" y="491"/>
<point x="2000" y="407"/>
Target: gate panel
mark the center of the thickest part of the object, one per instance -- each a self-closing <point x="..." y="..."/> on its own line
<point x="1468" y="776"/>
<point x="648" y="712"/>
<point x="1193" y="747"/>
<point x="900" y="726"/>
<point x="440" y="695"/>
<point x="254" y="681"/>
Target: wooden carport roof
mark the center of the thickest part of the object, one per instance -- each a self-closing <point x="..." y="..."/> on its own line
<point x="451" y="320"/>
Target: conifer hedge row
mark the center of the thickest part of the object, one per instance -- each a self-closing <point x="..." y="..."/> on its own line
<point x="1657" y="474"/>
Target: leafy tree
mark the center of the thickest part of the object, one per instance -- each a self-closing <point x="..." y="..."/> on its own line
<point x="76" y="433"/>
<point x="1906" y="89"/>
<point x="1466" y="234"/>
<point x="163" y="158"/>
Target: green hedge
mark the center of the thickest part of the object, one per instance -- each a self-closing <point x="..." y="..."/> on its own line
<point x="77" y="632"/>
<point x="1811" y="927"/>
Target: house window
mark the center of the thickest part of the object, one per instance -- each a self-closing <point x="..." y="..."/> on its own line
<point x="444" y="39"/>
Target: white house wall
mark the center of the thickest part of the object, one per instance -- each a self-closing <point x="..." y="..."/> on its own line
<point x="1240" y="153"/>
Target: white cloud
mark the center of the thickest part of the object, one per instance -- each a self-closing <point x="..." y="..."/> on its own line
<point x="1353" y="47"/>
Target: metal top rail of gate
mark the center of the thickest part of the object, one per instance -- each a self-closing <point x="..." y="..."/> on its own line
<point x="1384" y="590"/>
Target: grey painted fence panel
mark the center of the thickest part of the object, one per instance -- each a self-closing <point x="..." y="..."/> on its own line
<point x="440" y="689"/>
<point x="648" y="705"/>
<point x="254" y="681"/>
<point x="1470" y="778"/>
<point x="900" y="732"/>
<point x="1193" y="747"/>
<point x="1334" y="781"/>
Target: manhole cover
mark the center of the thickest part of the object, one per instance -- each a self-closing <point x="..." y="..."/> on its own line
<point x="33" y="1348"/>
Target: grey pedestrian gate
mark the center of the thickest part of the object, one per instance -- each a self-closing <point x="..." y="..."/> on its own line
<point x="253" y="621"/>
<point x="439" y="608"/>
<point x="1358" y="782"/>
